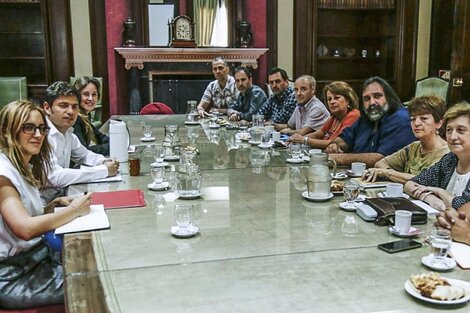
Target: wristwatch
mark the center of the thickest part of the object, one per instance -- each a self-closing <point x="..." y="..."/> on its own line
<point x="305" y="140"/>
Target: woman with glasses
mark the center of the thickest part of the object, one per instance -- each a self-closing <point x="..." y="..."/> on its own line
<point x="87" y="133"/>
<point x="29" y="273"/>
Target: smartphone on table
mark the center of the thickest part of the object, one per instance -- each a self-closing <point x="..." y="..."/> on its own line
<point x="400" y="245"/>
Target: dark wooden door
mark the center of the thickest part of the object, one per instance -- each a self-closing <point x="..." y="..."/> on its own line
<point x="460" y="57"/>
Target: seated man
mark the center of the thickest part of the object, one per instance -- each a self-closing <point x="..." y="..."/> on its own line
<point x="61" y="107"/>
<point x="221" y="92"/>
<point x="250" y="99"/>
<point x="280" y="106"/>
<point x="310" y="113"/>
<point x="383" y="128"/>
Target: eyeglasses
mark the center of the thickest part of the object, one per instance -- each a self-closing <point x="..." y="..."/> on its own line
<point x="30" y="129"/>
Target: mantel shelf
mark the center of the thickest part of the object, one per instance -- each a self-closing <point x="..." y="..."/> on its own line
<point x="136" y="57"/>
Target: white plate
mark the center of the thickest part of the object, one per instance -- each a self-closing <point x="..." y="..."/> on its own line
<point x="184" y="233"/>
<point x="254" y="142"/>
<point x="145" y="139"/>
<point x="189" y="197"/>
<point x="163" y="186"/>
<point x="214" y="126"/>
<point x="413" y="232"/>
<point x="383" y="194"/>
<point x="161" y="164"/>
<point x="171" y="157"/>
<point x="294" y="161"/>
<point x="449" y="263"/>
<point x="453" y="282"/>
<point x="339" y="176"/>
<point x="191" y="123"/>
<point x="305" y="195"/>
<point x="265" y="145"/>
<point x="243" y="136"/>
<point x="350" y="207"/>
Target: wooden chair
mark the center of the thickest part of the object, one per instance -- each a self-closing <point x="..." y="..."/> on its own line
<point x="432" y="86"/>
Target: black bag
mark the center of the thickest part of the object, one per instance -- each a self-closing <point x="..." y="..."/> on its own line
<point x="386" y="207"/>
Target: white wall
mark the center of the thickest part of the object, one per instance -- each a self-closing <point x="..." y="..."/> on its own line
<point x="285" y="35"/>
<point x="424" y="37"/>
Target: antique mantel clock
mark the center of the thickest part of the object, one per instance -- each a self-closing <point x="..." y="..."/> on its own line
<point x="182" y="32"/>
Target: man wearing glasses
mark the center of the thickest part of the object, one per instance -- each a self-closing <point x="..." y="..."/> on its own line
<point x="61" y="107"/>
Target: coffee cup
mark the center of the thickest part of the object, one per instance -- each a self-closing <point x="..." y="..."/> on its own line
<point x="403" y="221"/>
<point x="357" y="168"/>
<point x="394" y="190"/>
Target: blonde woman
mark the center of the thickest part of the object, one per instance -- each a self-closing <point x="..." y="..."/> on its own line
<point x="29" y="274"/>
<point x="89" y="136"/>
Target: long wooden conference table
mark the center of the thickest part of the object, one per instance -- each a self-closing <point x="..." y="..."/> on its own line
<point x="261" y="246"/>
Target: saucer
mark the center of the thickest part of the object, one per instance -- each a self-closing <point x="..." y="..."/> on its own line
<point x="161" y="164"/>
<point x="305" y="195"/>
<point x="294" y="161"/>
<point x="191" y="123"/>
<point x="448" y="264"/>
<point x="383" y="194"/>
<point x="190" y="196"/>
<point x="147" y="139"/>
<point x="350" y="207"/>
<point x="171" y="158"/>
<point x="351" y="174"/>
<point x="214" y="126"/>
<point x="184" y="232"/>
<point x="339" y="176"/>
<point x="159" y="187"/>
<point x="266" y="145"/>
<point x="254" y="142"/>
<point x="413" y="232"/>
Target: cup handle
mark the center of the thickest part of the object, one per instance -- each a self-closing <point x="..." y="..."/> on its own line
<point x="334" y="165"/>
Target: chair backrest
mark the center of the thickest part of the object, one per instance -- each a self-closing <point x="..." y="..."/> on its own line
<point x="11" y="89"/>
<point x="96" y="114"/>
<point x="432" y="86"/>
<point x="156" y="108"/>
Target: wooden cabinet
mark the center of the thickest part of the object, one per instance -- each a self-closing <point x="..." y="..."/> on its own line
<point x="352" y="40"/>
<point x="36" y="42"/>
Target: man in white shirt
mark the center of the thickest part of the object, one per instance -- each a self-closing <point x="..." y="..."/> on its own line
<point x="61" y="107"/>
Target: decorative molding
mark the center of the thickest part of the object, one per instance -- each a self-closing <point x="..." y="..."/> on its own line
<point x="136" y="57"/>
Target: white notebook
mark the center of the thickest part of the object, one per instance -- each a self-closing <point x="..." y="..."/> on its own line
<point x="96" y="219"/>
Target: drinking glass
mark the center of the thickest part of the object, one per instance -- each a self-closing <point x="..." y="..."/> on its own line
<point x="183" y="215"/>
<point x="295" y="150"/>
<point x="440" y="244"/>
<point x="193" y="134"/>
<point x="157" y="174"/>
<point x="147" y="130"/>
<point x="158" y="154"/>
<point x="159" y="204"/>
<point x="351" y="191"/>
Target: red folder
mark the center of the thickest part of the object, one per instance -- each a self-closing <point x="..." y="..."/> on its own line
<point x="119" y="198"/>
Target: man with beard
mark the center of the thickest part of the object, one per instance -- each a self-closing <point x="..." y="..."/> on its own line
<point x="383" y="128"/>
<point x="250" y="99"/>
<point x="281" y="104"/>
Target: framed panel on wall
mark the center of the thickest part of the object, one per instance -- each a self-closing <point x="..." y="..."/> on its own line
<point x="159" y="15"/>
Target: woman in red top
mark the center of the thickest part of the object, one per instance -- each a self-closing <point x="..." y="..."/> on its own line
<point x="342" y="103"/>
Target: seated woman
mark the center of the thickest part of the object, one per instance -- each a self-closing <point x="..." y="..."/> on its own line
<point x="427" y="115"/>
<point x="29" y="274"/>
<point x="457" y="222"/>
<point x="342" y="102"/>
<point x="446" y="183"/>
<point x="86" y="132"/>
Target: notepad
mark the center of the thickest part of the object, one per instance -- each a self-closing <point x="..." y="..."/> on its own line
<point x="109" y="179"/>
<point x="119" y="198"/>
<point x="461" y="254"/>
<point x="96" y="219"/>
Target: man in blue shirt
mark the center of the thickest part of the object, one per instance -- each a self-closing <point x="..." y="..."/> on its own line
<point x="250" y="99"/>
<point x="383" y="128"/>
<point x="280" y="106"/>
